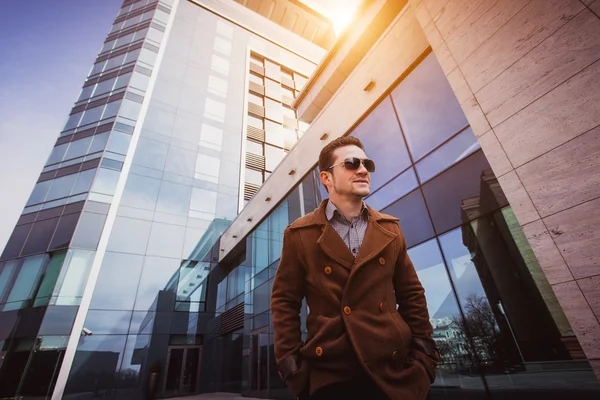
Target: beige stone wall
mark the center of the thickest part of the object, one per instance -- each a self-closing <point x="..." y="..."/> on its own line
<point x="527" y="75"/>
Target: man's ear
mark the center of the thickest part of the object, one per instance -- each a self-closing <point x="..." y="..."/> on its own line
<point x="325" y="177"/>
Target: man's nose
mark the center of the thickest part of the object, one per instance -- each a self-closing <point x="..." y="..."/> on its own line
<point x="362" y="170"/>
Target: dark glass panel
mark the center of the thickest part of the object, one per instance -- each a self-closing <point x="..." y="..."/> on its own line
<point x="449" y="154"/>
<point x="414" y="221"/>
<point x="398" y="187"/>
<point x="40" y="236"/>
<point x="462" y="193"/>
<point x="16" y="241"/>
<point x="105" y="322"/>
<point x="383" y="142"/>
<point x="427" y="107"/>
<point x="50" y="213"/>
<point x="95" y="365"/>
<point x="58" y="320"/>
<point x="74" y="207"/>
<point x="64" y="231"/>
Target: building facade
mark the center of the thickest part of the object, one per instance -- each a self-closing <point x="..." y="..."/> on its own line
<point x="185" y="112"/>
<point x="153" y="272"/>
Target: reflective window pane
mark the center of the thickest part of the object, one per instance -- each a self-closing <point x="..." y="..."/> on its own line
<point x="78" y="148"/>
<point x="174" y="198"/>
<point x="204" y="201"/>
<point x="107" y="85"/>
<point x="27" y="279"/>
<point x="73" y="277"/>
<point x="427" y="107"/>
<point x="414" y="221"/>
<point x="98" y="142"/>
<point x="104" y="322"/>
<point x="398" y="187"/>
<point x="84" y="181"/>
<point x="73" y="121"/>
<point x="382" y="139"/>
<point x="118" y="142"/>
<point x="111" y="109"/>
<point x="445" y="317"/>
<point x="156" y="274"/>
<point x="64" y="231"/>
<point x="117" y="294"/>
<point x="141" y="192"/>
<point x="40" y="236"/>
<point x="57" y="154"/>
<point x="39" y="193"/>
<point x="463" y="192"/>
<point x="88" y="231"/>
<point x="6" y="271"/>
<point x="106" y="181"/>
<point x="16" y="241"/>
<point x="129" y="235"/>
<point x="449" y="154"/>
<point x="58" y="320"/>
<point x="91" y="115"/>
<point x="95" y="364"/>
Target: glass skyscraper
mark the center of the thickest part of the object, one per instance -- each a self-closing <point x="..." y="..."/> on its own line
<point x="143" y="262"/>
<point x="150" y="162"/>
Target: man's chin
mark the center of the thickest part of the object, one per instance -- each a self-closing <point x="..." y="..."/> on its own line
<point x="362" y="193"/>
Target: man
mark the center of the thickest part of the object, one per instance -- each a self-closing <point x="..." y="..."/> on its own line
<point x="350" y="263"/>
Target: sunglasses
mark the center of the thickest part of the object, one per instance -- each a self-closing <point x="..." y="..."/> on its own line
<point x="353" y="163"/>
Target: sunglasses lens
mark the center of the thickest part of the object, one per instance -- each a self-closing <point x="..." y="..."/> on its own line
<point x="352" y="164"/>
<point x="369" y="165"/>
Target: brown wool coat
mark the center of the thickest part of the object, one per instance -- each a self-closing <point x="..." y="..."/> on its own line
<point x="352" y="319"/>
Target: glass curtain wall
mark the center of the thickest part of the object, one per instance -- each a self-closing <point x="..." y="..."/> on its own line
<point x="45" y="265"/>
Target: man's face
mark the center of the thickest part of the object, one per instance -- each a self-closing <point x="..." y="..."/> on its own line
<point x="342" y="182"/>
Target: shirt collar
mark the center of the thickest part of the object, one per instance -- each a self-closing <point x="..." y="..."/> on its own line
<point x="331" y="209"/>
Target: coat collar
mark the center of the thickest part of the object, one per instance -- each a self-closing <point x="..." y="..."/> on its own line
<point x="376" y="237"/>
<point x="318" y="217"/>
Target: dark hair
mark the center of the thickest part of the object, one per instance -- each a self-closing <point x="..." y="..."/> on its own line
<point x="326" y="155"/>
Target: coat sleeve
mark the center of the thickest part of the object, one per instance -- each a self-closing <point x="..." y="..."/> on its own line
<point x="286" y="301"/>
<point x="412" y="306"/>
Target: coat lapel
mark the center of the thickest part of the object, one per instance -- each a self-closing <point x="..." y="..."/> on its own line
<point x="335" y="247"/>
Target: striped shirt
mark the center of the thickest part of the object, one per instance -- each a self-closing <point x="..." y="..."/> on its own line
<point x="351" y="232"/>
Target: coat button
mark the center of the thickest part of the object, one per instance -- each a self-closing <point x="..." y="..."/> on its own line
<point x="381" y="260"/>
<point x="319" y="351"/>
<point x="395" y="355"/>
<point x="327" y="270"/>
<point x="381" y="306"/>
<point x="347" y="310"/>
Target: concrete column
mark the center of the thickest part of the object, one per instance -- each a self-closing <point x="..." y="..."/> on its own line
<point x="527" y="75"/>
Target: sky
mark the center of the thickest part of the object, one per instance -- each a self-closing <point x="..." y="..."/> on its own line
<point x="48" y="48"/>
